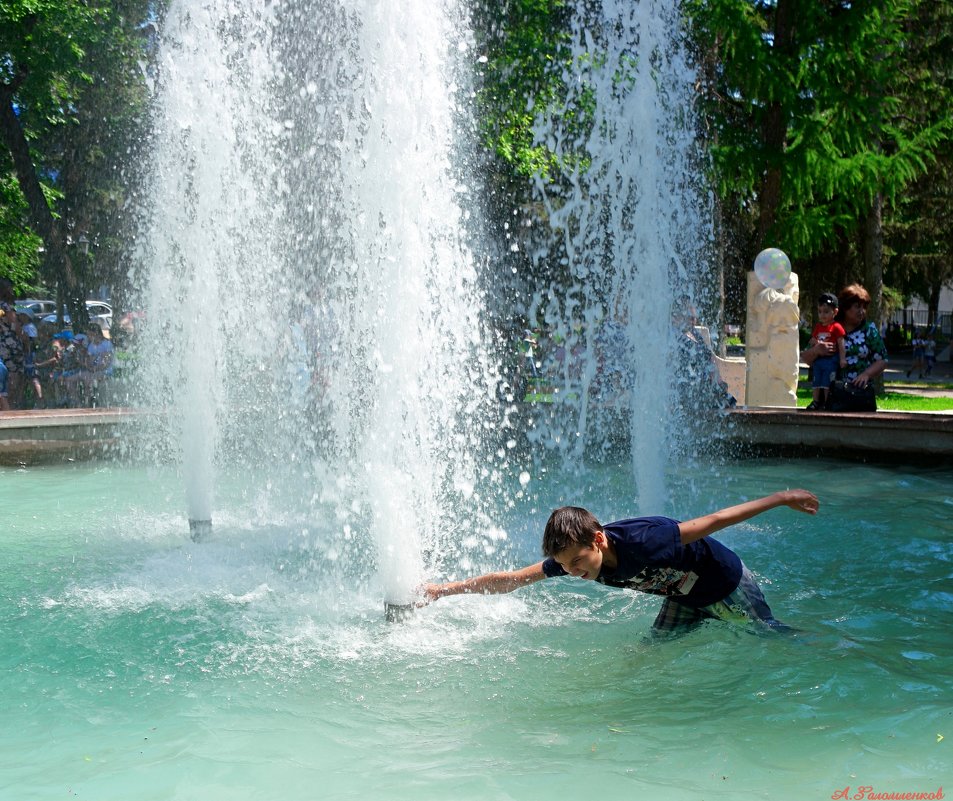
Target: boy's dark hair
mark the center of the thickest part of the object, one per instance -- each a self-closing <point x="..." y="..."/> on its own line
<point x="569" y="525"/>
<point x="828" y="299"/>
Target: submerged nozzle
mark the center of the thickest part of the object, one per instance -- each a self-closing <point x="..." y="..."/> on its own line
<point x="397" y="613"/>
<point x="200" y="529"/>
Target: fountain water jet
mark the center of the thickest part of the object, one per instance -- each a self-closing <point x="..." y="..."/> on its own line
<point x="208" y="165"/>
<point x="627" y="224"/>
<point x="321" y="313"/>
<point x="321" y="317"/>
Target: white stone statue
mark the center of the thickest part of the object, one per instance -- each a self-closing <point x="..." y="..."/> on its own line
<point x="771" y="345"/>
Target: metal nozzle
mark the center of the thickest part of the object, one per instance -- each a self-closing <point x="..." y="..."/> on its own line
<point x="200" y="529"/>
<point x="397" y="613"/>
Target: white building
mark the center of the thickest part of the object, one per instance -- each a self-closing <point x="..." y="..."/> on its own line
<point x="916" y="313"/>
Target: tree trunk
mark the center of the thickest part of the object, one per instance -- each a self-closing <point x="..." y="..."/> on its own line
<point x="874" y="257"/>
<point x="774" y="129"/>
<point x="41" y="218"/>
<point x="933" y="304"/>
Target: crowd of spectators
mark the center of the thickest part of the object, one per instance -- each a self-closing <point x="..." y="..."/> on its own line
<point x="42" y="368"/>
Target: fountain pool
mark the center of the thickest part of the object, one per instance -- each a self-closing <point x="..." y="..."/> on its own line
<point x="257" y="665"/>
<point x="305" y="160"/>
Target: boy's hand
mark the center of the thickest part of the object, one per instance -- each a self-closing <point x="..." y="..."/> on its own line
<point x="427" y="593"/>
<point x="800" y="500"/>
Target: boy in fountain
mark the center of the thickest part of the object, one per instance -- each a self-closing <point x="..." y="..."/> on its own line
<point x="699" y="577"/>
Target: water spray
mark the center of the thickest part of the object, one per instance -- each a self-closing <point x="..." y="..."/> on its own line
<point x="232" y="225"/>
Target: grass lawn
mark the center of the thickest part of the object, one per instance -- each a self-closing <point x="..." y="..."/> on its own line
<point x="895" y="402"/>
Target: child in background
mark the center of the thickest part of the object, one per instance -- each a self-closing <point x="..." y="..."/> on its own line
<point x="929" y="351"/>
<point x="48" y="360"/>
<point x="28" y="335"/>
<point x="919" y="353"/>
<point x="61" y="364"/>
<point x="824" y="369"/>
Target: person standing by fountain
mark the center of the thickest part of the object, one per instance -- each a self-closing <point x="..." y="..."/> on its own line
<point x="929" y="351"/>
<point x="11" y="348"/>
<point x="865" y="352"/>
<point x="700" y="578"/>
<point x="97" y="364"/>
<point x="919" y="354"/>
<point x="825" y="367"/>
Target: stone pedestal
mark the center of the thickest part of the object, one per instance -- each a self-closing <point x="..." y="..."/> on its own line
<point x="771" y="344"/>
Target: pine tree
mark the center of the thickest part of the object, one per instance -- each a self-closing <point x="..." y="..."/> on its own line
<point x="806" y="109"/>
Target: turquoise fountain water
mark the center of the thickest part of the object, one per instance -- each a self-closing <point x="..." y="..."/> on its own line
<point x="335" y="409"/>
<point x="137" y="664"/>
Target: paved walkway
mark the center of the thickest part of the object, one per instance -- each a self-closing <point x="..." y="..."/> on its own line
<point x="939" y="384"/>
<point x="895" y="377"/>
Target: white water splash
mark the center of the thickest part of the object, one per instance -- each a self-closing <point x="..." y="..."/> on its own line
<point x="630" y="233"/>
<point x="315" y="303"/>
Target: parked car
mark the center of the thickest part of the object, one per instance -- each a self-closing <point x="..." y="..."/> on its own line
<point x="38" y="308"/>
<point x="103" y="312"/>
<point x="99" y="312"/>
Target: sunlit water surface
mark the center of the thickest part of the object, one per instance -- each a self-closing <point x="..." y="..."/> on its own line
<point x="136" y="664"/>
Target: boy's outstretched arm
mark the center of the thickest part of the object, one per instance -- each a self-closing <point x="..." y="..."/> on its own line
<point x="488" y="584"/>
<point x="798" y="499"/>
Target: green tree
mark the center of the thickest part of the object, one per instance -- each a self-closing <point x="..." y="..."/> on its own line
<point x="19" y="246"/>
<point x="523" y="44"/>
<point x="809" y="139"/>
<point x="523" y="49"/>
<point x="72" y="106"/>
<point x="919" y="227"/>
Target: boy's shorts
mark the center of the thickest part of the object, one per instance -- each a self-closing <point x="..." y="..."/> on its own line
<point x="746" y="605"/>
<point x="824" y="371"/>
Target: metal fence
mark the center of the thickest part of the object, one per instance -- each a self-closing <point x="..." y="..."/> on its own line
<point x="920" y="318"/>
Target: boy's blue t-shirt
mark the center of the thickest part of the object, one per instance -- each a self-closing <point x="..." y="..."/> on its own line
<point x="652" y="559"/>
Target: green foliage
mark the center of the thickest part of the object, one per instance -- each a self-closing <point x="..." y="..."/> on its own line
<point x="891" y="401"/>
<point x="892" y="301"/>
<point x="526" y="45"/>
<point x="835" y="81"/>
<point x="43" y="43"/>
<point x="920" y="225"/>
<point x="71" y="71"/>
<point x="19" y="247"/>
